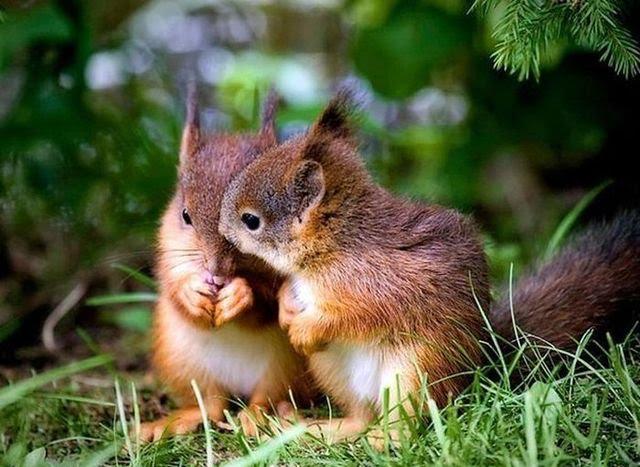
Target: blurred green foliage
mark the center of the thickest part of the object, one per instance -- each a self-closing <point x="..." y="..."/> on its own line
<point x="42" y="24"/>
<point x="409" y="43"/>
<point x="87" y="164"/>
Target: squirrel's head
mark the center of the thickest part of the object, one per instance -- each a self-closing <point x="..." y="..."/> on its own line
<point x="286" y="205"/>
<point x="207" y="164"/>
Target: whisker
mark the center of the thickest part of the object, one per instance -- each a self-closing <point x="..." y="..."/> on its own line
<point x="191" y="250"/>
<point x="169" y="259"/>
<point x="132" y="254"/>
<point x="178" y="265"/>
<point x="178" y="253"/>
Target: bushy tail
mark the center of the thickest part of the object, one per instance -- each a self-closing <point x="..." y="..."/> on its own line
<point x="592" y="283"/>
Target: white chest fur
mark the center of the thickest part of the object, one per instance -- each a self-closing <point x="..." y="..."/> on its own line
<point x="235" y="357"/>
<point x="366" y="370"/>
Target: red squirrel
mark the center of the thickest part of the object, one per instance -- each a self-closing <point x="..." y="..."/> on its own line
<point x="216" y="316"/>
<point x="381" y="290"/>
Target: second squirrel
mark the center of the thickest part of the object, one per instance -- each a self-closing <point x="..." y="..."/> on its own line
<point x="380" y="290"/>
<point x="216" y="318"/>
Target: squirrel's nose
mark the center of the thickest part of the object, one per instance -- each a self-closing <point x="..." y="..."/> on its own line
<point x="216" y="282"/>
<point x="207" y="277"/>
<point x="219" y="281"/>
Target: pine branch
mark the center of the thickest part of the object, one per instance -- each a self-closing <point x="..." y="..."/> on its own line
<point x="618" y="49"/>
<point x="527" y="28"/>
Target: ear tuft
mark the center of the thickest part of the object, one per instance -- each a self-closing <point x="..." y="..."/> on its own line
<point x="269" y="109"/>
<point x="335" y="122"/>
<point x="191" y="130"/>
<point x="336" y="118"/>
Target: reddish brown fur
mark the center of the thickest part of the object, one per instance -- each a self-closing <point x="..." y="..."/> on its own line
<point x="593" y="283"/>
<point x="369" y="271"/>
<point x="242" y="307"/>
<point x="383" y="274"/>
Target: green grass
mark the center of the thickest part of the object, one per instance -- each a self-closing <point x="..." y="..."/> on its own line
<point x="582" y="409"/>
<point x="562" y="409"/>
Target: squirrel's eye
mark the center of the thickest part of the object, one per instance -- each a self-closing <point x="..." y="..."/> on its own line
<point x="186" y="217"/>
<point x="252" y="222"/>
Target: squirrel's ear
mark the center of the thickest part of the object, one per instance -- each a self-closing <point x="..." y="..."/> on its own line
<point x="191" y="131"/>
<point x="333" y="123"/>
<point x="307" y="188"/>
<point x="268" y="124"/>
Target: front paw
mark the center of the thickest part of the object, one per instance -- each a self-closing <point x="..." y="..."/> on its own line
<point x="197" y="298"/>
<point x="303" y="337"/>
<point x="288" y="306"/>
<point x="234" y="298"/>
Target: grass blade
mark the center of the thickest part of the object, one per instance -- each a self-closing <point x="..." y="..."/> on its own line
<point x="117" y="299"/>
<point x="136" y="415"/>
<point x="205" y="423"/>
<point x="14" y="392"/>
<point x="265" y="451"/>
<point x="137" y="275"/>
<point x="530" y="430"/>
<point x="437" y="423"/>
<point x="123" y="421"/>
<point x="99" y="458"/>
<point x="570" y="219"/>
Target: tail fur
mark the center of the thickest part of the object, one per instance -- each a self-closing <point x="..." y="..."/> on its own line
<point x="592" y="283"/>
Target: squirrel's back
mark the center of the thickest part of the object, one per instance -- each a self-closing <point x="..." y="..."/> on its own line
<point x="592" y="283"/>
